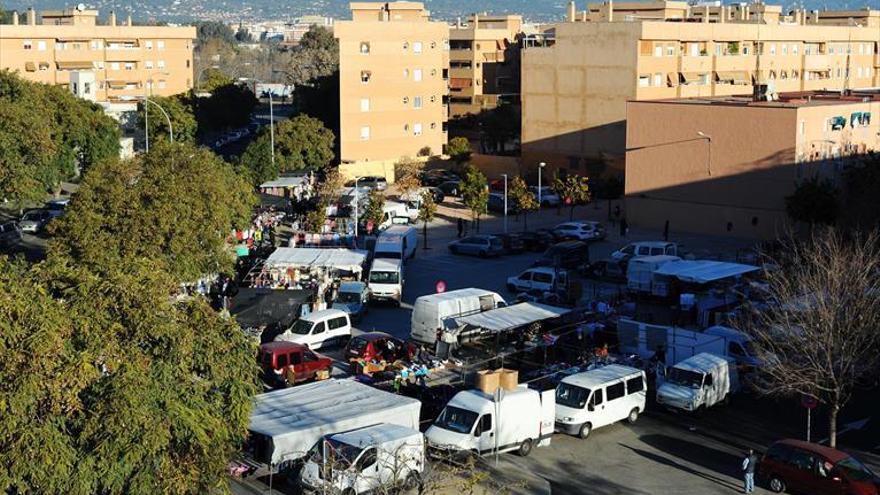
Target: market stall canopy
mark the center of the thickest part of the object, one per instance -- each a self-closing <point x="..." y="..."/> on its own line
<point x="703" y="271"/>
<point x="514" y="316"/>
<point x="351" y="260"/>
<point x="292" y="181"/>
<point x="254" y="308"/>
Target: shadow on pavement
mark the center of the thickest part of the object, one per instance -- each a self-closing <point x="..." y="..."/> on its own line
<point x="701" y="455"/>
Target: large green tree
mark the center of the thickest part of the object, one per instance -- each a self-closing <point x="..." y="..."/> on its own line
<point x="474" y="191"/>
<point x="523" y="198"/>
<point x="301" y="143"/>
<point x="573" y="190"/>
<point x="175" y="204"/>
<point x="459" y="149"/>
<point x="180" y="111"/>
<point x="111" y="386"/>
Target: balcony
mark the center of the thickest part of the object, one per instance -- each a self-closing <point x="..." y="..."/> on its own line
<point x="735" y="62"/>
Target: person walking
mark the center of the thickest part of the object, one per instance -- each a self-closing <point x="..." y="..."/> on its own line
<point x="750" y="462"/>
<point x="624" y="227"/>
<point x="460" y="225"/>
<point x="666" y="231"/>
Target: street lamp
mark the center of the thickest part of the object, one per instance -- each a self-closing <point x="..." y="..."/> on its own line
<point x="708" y="139"/>
<point x="357" y="198"/>
<point x="147" y="112"/>
<point x="271" y="119"/>
<point x="540" y="168"/>
<point x="505" y="202"/>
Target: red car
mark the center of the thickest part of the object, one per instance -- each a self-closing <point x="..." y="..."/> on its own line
<point x="281" y="359"/>
<point x="379" y="346"/>
<point x="813" y="469"/>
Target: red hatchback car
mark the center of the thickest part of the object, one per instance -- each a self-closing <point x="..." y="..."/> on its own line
<point x="813" y="469"/>
<point x="276" y="357"/>
<point x="379" y="346"/>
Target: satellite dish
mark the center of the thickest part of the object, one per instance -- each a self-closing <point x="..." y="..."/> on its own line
<point x="81" y="7"/>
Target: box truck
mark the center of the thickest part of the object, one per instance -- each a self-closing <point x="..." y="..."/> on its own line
<point x="437" y="311"/>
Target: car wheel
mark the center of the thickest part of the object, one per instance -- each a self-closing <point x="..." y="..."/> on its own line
<point x="776" y="484"/>
<point x="633" y="415"/>
<point x="585" y="430"/>
<point x="525" y="448"/>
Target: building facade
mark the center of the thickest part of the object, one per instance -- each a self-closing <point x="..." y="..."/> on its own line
<point x="724" y="165"/>
<point x="393" y="85"/>
<point x="125" y="61"/>
<point x="484" y="64"/>
<point x="578" y="75"/>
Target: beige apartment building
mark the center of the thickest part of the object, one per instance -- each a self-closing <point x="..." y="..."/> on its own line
<point x="578" y="75"/>
<point x="724" y="165"/>
<point x="393" y="76"/>
<point x="111" y="62"/>
<point x="484" y="63"/>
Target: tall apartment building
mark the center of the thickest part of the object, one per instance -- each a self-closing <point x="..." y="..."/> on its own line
<point x="484" y="63"/>
<point x="109" y="62"/>
<point x="579" y="74"/>
<point x="393" y="76"/>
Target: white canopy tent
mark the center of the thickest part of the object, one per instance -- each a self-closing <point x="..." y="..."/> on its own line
<point x="703" y="271"/>
<point x="305" y="258"/>
<point x="496" y="320"/>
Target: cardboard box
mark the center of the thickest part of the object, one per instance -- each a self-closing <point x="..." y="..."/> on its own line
<point x="488" y="381"/>
<point x="508" y="379"/>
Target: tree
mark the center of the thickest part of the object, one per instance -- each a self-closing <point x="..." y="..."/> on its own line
<point x="256" y="162"/>
<point x="125" y="389"/>
<point x="499" y="126"/>
<point x="814" y="201"/>
<point x="375" y="209"/>
<point x="301" y="143"/>
<point x="330" y="185"/>
<point x="175" y="204"/>
<point x="316" y="56"/>
<point x="861" y="203"/>
<point x="407" y="173"/>
<point x="474" y="191"/>
<point x="212" y="79"/>
<point x="214" y="30"/>
<point x="230" y="105"/>
<point x="316" y="218"/>
<point x="459" y="149"/>
<point x="181" y="114"/>
<point x="427" y="211"/>
<point x="523" y="198"/>
<point x="574" y="190"/>
<point x="243" y="35"/>
<point x="819" y="338"/>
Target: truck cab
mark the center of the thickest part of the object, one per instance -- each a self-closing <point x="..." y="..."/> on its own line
<point x="698" y="383"/>
<point x="386" y="280"/>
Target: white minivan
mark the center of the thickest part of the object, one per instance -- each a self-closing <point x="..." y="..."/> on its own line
<point x="645" y="248"/>
<point x="602" y="396"/>
<point x="319" y="329"/>
<point x="386" y="280"/>
<point x="396" y="242"/>
<point x="542" y="278"/>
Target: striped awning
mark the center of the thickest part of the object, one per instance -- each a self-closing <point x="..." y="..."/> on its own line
<point x="74" y="65"/>
<point x="734" y="76"/>
<point x="30" y="66"/>
<point x="460" y="82"/>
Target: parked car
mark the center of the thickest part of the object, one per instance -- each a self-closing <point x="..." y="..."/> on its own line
<point x="607" y="269"/>
<point x="645" y="248"/>
<point x="540" y="279"/>
<point x="10" y="234"/>
<point x="812" y="469"/>
<point x="319" y="329"/>
<point x="566" y="254"/>
<point x="512" y="242"/>
<point x="379" y="346"/>
<point x="538" y="240"/>
<point x="580" y="231"/>
<point x="57" y="207"/>
<point x="450" y="187"/>
<point x="480" y="245"/>
<point x="496" y="203"/>
<point x="437" y="194"/>
<point x="548" y="196"/>
<point x="288" y="363"/>
<point x="372" y="182"/>
<point x="352" y="298"/>
<point x="436" y="177"/>
<point x="34" y="221"/>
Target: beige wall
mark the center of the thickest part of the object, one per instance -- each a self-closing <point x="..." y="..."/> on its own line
<point x="56" y="50"/>
<point x="392" y="90"/>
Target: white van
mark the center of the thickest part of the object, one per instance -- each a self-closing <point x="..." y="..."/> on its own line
<point x="393" y="214"/>
<point x="396" y="242"/>
<point x="365" y="460"/>
<point x="477" y="422"/>
<point x="640" y="271"/>
<point x="319" y="329"/>
<point x="438" y="311"/>
<point x="602" y="396"/>
<point x="698" y="383"/>
<point x="386" y="280"/>
<point x="645" y="248"/>
<point x="542" y="278"/>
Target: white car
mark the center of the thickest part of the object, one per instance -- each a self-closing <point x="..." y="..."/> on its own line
<point x="645" y="248"/>
<point x="580" y="231"/>
<point x="548" y="196"/>
<point x="542" y="278"/>
<point x="319" y="329"/>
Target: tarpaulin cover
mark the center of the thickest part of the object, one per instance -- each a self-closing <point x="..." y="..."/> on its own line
<point x="512" y="316"/>
<point x="351" y="260"/>
<point x="253" y="308"/>
<point x="703" y="271"/>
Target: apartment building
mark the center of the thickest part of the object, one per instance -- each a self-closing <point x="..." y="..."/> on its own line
<point x="111" y="62"/>
<point x="578" y="75"/>
<point x="724" y="165"/>
<point x="484" y="63"/>
<point x="393" y="77"/>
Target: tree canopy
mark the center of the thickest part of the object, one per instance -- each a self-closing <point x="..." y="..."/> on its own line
<point x="301" y="143"/>
<point x="574" y="190"/>
<point x="815" y="201"/>
<point x="317" y="55"/>
<point x="45" y="134"/>
<point x="459" y="149"/>
<point x="214" y="30"/>
<point x="176" y="204"/>
<point x="375" y="209"/>
<point x="407" y="173"/>
<point x="474" y="191"/>
<point x="523" y="198"/>
<point x="180" y="112"/>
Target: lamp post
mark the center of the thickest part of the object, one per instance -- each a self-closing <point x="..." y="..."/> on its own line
<point x="708" y="139"/>
<point x="505" y="202"/>
<point x="147" y="111"/>
<point x="540" y="169"/>
<point x="271" y="120"/>
<point x="146" y="122"/>
<point x="357" y="198"/>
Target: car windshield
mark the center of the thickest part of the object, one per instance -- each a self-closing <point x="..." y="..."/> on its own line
<point x="384" y="277"/>
<point x="348" y="297"/>
<point x="456" y="419"/>
<point x="357" y="344"/>
<point x="686" y="378"/>
<point x="342" y="452"/>
<point x="854" y="470"/>
<point x="572" y="396"/>
<point x="302" y="327"/>
<point x="32" y="215"/>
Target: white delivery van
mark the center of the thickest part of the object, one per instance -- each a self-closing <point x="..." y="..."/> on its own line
<point x="640" y="271"/>
<point x="393" y="214"/>
<point x="599" y="397"/>
<point x="438" y="311"/>
<point x="542" y="278"/>
<point x="386" y="280"/>
<point x="396" y="242"/>
<point x="698" y="383"/>
<point x="645" y="248"/>
<point x="481" y="423"/>
<point x="366" y="460"/>
<point x="319" y="329"/>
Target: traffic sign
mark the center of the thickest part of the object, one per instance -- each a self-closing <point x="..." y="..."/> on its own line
<point x="440" y="286"/>
<point x="809" y="402"/>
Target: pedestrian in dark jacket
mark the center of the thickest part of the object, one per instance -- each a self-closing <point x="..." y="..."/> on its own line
<point x="460" y="225"/>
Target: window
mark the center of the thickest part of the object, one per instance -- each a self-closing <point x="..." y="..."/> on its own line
<point x="365" y="76"/>
<point x="634" y="385"/>
<point x="28" y="44"/>
<point x="114" y="66"/>
<point x="282" y="360"/>
<point x="644" y="81"/>
<point x="365" y="104"/>
<point x="365" y="132"/>
<point x="367" y="459"/>
<point x="597" y="397"/>
<point x="658" y="51"/>
<point x="615" y="391"/>
<point x="433" y="98"/>
<point x="695" y="49"/>
<point x="417" y="129"/>
<point x="148" y="44"/>
<point x="365" y="47"/>
<point x="670" y="51"/>
<point x="417" y="47"/>
<point x="161" y="84"/>
<point x="544" y="278"/>
<point x="484" y="426"/>
<point x="160" y="45"/>
<point x="319" y="327"/>
<point x="802" y="460"/>
<point x="784" y="49"/>
<point x="187" y="63"/>
<point x="417" y="102"/>
<point x="746" y="50"/>
<point x="160" y="64"/>
<point x="406" y="73"/>
<point x="794" y="49"/>
<point x="406" y="100"/>
<point x="41" y="46"/>
<point x="129" y="66"/>
<point x="658" y="79"/>
<point x="338" y="322"/>
<point x="417" y="74"/>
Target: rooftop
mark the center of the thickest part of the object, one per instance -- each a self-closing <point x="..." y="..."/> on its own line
<point x="783" y="100"/>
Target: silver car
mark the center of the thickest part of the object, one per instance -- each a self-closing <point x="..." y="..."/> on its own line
<point x="34" y="221"/>
<point x="10" y="234"/>
<point x="479" y="245"/>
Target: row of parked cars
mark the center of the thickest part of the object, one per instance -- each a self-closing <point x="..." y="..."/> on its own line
<point x="32" y="222"/>
<point x="488" y="245"/>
